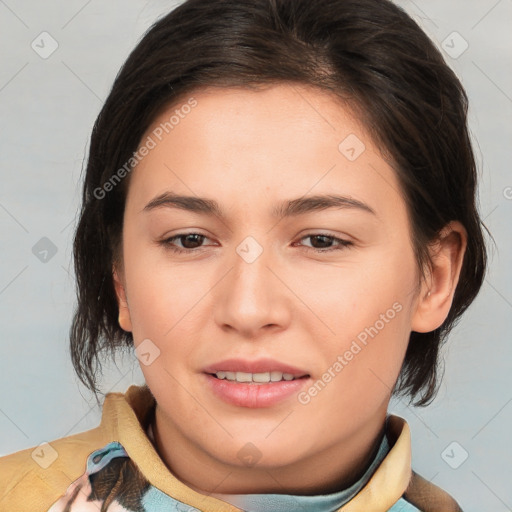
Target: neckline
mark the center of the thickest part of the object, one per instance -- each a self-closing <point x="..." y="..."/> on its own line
<point x="125" y="416"/>
<point x="262" y="502"/>
<point x="283" y="502"/>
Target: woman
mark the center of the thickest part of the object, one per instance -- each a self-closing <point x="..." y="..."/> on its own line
<point x="279" y="216"/>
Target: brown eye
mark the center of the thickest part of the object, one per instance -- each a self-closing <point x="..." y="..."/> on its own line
<point x="323" y="243"/>
<point x="190" y="242"/>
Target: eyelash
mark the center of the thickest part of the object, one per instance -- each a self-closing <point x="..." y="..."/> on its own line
<point x="342" y="244"/>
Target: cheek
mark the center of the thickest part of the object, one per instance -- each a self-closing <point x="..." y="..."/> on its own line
<point x="360" y="369"/>
<point x="370" y="313"/>
<point x="161" y="297"/>
<point x="357" y="294"/>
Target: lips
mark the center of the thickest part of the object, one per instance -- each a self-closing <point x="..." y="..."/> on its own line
<point x="258" y="366"/>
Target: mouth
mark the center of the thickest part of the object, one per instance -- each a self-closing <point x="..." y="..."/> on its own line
<point x="255" y="384"/>
<point x="260" y="371"/>
<point x="257" y="378"/>
<point x="242" y="392"/>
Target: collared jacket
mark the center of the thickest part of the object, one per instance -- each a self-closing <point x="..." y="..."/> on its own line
<point x="115" y="467"/>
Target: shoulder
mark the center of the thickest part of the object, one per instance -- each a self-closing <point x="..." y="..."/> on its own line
<point x="34" y="478"/>
<point x="427" y="497"/>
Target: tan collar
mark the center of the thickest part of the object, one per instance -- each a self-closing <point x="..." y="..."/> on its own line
<point x="392" y="477"/>
<point x="127" y="417"/>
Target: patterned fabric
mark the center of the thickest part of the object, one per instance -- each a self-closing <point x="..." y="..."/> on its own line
<point x="113" y="482"/>
<point x="115" y="467"/>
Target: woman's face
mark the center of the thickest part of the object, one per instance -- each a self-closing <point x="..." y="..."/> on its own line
<point x="300" y="255"/>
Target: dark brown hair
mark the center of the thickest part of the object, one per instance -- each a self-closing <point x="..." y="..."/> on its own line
<point x="370" y="54"/>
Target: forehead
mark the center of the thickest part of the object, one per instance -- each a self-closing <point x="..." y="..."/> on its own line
<point x="242" y="145"/>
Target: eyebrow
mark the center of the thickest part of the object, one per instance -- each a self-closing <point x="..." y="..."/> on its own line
<point x="290" y="208"/>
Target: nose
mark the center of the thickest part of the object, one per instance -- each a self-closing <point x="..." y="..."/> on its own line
<point x="252" y="299"/>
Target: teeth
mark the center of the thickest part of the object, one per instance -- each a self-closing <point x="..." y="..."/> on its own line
<point x="255" y="377"/>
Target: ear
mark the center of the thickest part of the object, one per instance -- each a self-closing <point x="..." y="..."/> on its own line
<point x="124" y="312"/>
<point x="438" y="288"/>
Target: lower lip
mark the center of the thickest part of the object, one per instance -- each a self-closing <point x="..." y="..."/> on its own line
<point x="255" y="395"/>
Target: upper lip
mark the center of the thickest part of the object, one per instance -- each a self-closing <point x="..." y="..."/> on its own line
<point x="257" y="366"/>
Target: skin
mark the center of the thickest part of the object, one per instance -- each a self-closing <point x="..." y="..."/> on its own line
<point x="250" y="150"/>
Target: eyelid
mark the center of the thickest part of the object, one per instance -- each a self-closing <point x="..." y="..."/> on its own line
<point x="167" y="240"/>
<point x="341" y="243"/>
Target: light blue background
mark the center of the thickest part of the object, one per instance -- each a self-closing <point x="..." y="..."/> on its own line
<point x="48" y="107"/>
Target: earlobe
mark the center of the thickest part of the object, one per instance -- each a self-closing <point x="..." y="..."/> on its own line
<point x="438" y="288"/>
<point x="124" y="311"/>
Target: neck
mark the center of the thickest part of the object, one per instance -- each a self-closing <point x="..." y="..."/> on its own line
<point x="332" y="469"/>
